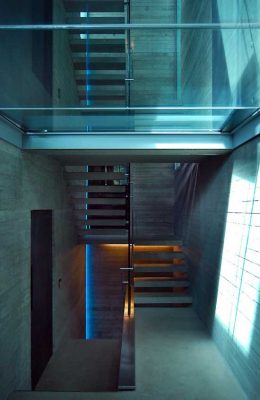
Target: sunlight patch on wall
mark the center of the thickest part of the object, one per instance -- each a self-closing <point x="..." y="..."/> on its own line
<point x="239" y="282"/>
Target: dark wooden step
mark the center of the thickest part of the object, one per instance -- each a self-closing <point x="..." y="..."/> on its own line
<point x="101" y="231"/>
<point x="158" y="242"/>
<point x="102" y="239"/>
<point x="102" y="82"/>
<point x="94" y="5"/>
<point x="98" y="46"/>
<point x="159" y="283"/>
<point x="101" y="201"/>
<point x="96" y="176"/>
<point x="95" y="20"/>
<point x="111" y="213"/>
<point x="106" y="222"/>
<point x="102" y="64"/>
<point x="103" y="98"/>
<point x="98" y="189"/>
<point x="158" y="255"/>
<point x="159" y="269"/>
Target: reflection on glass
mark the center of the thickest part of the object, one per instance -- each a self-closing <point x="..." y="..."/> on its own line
<point x="78" y="68"/>
<point x="69" y="11"/>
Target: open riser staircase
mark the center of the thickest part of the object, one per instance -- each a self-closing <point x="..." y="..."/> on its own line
<point x="99" y="196"/>
<point x="103" y="52"/>
<point x="161" y="275"/>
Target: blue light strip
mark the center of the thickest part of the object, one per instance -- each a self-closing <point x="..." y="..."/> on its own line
<point x="87" y="283"/>
<point x="88" y="249"/>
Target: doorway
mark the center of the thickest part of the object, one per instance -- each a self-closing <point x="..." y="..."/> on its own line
<point x="41" y="292"/>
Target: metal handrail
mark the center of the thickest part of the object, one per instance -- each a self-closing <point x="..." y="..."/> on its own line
<point x="130" y="267"/>
<point x="126" y="379"/>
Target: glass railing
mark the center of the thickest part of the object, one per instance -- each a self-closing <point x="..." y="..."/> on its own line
<point x="84" y="11"/>
<point x="73" y="76"/>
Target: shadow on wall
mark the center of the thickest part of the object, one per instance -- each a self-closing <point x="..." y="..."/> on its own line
<point x="184" y="181"/>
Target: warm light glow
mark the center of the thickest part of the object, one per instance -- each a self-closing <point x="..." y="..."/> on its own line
<point x="154" y="248"/>
<point x="132" y="307"/>
<point x="113" y="245"/>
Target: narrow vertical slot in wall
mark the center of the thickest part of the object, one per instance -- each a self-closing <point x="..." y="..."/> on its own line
<point x="87" y="291"/>
<point x="87" y="278"/>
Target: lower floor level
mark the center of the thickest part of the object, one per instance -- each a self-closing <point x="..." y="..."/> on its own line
<point x="175" y="359"/>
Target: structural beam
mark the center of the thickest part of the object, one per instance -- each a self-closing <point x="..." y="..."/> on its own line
<point x="100" y="27"/>
<point x="247" y="131"/>
<point x="76" y="141"/>
<point x="10" y="133"/>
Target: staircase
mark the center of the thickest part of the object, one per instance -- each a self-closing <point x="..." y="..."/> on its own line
<point x="99" y="57"/>
<point x="161" y="275"/>
<point x="99" y="195"/>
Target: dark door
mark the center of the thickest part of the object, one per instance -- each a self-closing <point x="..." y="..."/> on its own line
<point x="41" y="291"/>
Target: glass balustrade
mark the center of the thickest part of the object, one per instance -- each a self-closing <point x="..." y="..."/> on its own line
<point x="74" y="66"/>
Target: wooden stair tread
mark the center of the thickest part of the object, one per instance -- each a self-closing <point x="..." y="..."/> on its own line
<point x="158" y="242"/>
<point x="162" y="298"/>
<point x="151" y="269"/>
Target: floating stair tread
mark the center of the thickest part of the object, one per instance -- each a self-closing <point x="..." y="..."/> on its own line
<point x="151" y="269"/>
<point x="94" y="6"/>
<point x="99" y="212"/>
<point x="103" y="176"/>
<point x="105" y="222"/>
<point x="172" y="268"/>
<point x="162" y="298"/>
<point x="168" y="255"/>
<point x="104" y="239"/>
<point x="97" y="189"/>
<point x="158" y="242"/>
<point x="95" y="20"/>
<point x="160" y="283"/>
<point x="155" y="264"/>
<point x="98" y="201"/>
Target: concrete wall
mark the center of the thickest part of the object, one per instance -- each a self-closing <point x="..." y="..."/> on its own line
<point x="105" y="292"/>
<point x="241" y="78"/>
<point x="154" y="55"/>
<point x="30" y="181"/>
<point x="196" y="55"/>
<point x="153" y="201"/>
<point x="223" y="244"/>
<point x="65" y="93"/>
<point x="184" y="181"/>
<point x="36" y="67"/>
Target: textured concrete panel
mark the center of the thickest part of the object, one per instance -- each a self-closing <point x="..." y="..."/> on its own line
<point x="153" y="201"/>
<point x="31" y="182"/>
<point x="106" y="297"/>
